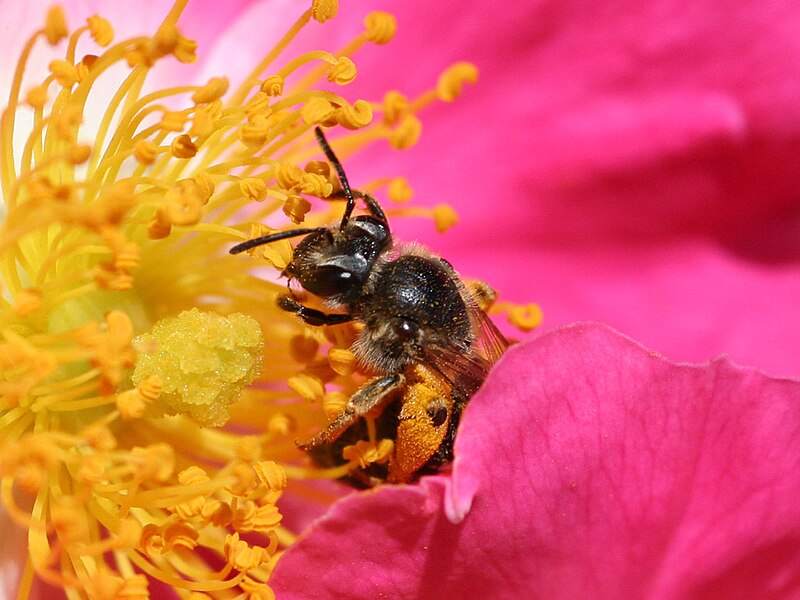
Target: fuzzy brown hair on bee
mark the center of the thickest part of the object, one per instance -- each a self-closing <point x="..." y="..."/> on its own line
<point x="424" y="336"/>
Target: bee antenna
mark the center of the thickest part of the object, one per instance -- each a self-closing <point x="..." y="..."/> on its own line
<point x="272" y="237"/>
<point x="351" y="201"/>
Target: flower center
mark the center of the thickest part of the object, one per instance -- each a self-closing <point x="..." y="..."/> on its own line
<point x="123" y="338"/>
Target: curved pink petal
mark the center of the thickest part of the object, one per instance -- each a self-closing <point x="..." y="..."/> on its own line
<point x="588" y="467"/>
<point x="692" y="301"/>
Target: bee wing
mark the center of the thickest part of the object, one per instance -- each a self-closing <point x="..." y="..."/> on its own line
<point x="490" y="343"/>
<point x="466" y="370"/>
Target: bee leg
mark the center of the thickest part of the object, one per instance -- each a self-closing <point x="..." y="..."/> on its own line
<point x="373" y="394"/>
<point x="312" y="316"/>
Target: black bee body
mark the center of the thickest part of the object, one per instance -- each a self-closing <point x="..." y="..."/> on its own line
<point x="423" y="335"/>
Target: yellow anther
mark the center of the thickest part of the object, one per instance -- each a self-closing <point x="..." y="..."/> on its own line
<point x="173" y="120"/>
<point x="92" y="470"/>
<point x="219" y="514"/>
<point x="202" y="122"/>
<point x="242" y="481"/>
<point x="407" y="133"/>
<point x="281" y="425"/>
<point x="255" y="132"/>
<point x="483" y="294"/>
<point x="213" y="90"/>
<point x="165" y="40"/>
<point x="104" y="584"/>
<point x="55" y="27"/>
<point x="81" y="71"/>
<point x="380" y="27"/>
<point x="242" y="556"/>
<point x="128" y="533"/>
<point x="145" y="152"/>
<point x="134" y="588"/>
<point x="183" y="147"/>
<point x="308" y="387"/>
<point x="255" y="589"/>
<point x="296" y="207"/>
<point x="288" y="175"/>
<point x="395" y="105"/>
<point x="319" y="167"/>
<point x="27" y="301"/>
<point x="334" y="403"/>
<point x="250" y="517"/>
<point x="99" y="437"/>
<point x="101" y="30"/>
<point x="248" y="448"/>
<point x="451" y="82"/>
<point x="185" y="50"/>
<point x="153" y="463"/>
<point x="131" y="405"/>
<point x="36" y="96"/>
<point x="126" y="256"/>
<point x="253" y="188"/>
<point x="30" y="477"/>
<point x="79" y="153"/>
<point x="525" y="317"/>
<point x="322" y="10"/>
<point x="151" y="541"/>
<point x="342" y="360"/>
<point x="444" y="217"/>
<point x="181" y="535"/>
<point x="107" y="277"/>
<point x="205" y="186"/>
<point x="258" y="105"/>
<point x="271" y="474"/>
<point x="159" y="227"/>
<point x="67" y="120"/>
<point x="150" y="388"/>
<point x="69" y="520"/>
<point x="65" y="72"/>
<point x="343" y="72"/>
<point x="278" y="254"/>
<point x="303" y="348"/>
<point x="318" y="110"/>
<point x="315" y="185"/>
<point x="356" y="116"/>
<point x="399" y="190"/>
<point x="193" y="476"/>
<point x="365" y="453"/>
<point x="273" y="85"/>
<point x="88" y="60"/>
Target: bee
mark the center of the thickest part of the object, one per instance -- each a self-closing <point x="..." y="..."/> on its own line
<point x="423" y="335"/>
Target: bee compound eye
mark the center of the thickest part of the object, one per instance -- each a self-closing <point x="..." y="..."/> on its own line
<point x="438" y="415"/>
<point x="328" y="280"/>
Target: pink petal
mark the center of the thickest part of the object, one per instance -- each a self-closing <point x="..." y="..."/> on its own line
<point x="598" y="469"/>
<point x="690" y="300"/>
<point x="628" y="118"/>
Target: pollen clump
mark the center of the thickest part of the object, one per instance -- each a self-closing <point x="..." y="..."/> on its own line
<point x="204" y="361"/>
